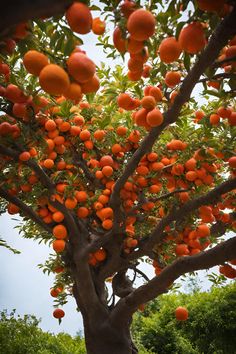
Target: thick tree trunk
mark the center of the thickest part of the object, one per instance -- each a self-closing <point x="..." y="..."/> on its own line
<point x="103" y="338"/>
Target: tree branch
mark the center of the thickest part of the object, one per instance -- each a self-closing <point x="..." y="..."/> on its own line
<point x="178" y="214"/>
<point x="219" y="38"/>
<point x="25" y="209"/>
<point x="21" y="11"/>
<point x="221" y="253"/>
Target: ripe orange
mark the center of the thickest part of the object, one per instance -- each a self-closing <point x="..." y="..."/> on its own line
<point x="79" y="18"/>
<point x="57" y="216"/>
<point x="181" y="249"/>
<point x="141" y="25"/>
<point x="60" y="231"/>
<point x="24" y="156"/>
<point x="172" y="78"/>
<point x="74" y="92"/>
<point x="106" y="160"/>
<point x="156" y="93"/>
<point x="107" y="171"/>
<point x="154" y="117"/>
<point x="107" y="224"/>
<point x="54" y="80"/>
<point x="148" y="102"/>
<point x="92" y="85"/>
<point x="232" y="162"/>
<point x="124" y="100"/>
<point x="181" y="313"/>
<point x="48" y="163"/>
<point x="80" y="67"/>
<point x="58" y="313"/>
<point x="70" y="203"/>
<point x="35" y="61"/>
<point x="214" y="119"/>
<point x="192" y="38"/>
<point x="85" y="135"/>
<point x="59" y="245"/>
<point x="98" y="26"/>
<point x="119" y="41"/>
<point x="169" y="50"/>
<point x="100" y="255"/>
<point x="81" y="196"/>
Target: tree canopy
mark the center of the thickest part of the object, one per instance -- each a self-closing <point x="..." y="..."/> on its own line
<point x="114" y="165"/>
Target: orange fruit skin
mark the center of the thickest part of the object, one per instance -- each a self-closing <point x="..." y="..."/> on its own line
<point x="118" y="41"/>
<point x="181" y="313"/>
<point x="74" y="92"/>
<point x="79" y="18"/>
<point x="172" y="78"/>
<point x="98" y="26"/>
<point x="59" y="245"/>
<point x="35" y="61"/>
<point x="92" y="85"/>
<point x="141" y="25"/>
<point x="192" y="38"/>
<point x="169" y="50"/>
<point x="54" y="80"/>
<point x="58" y="313"/>
<point x="154" y="117"/>
<point x="80" y="67"/>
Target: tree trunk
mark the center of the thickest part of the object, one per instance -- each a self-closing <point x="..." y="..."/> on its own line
<point x="103" y="338"/>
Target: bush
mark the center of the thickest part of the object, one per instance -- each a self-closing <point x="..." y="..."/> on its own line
<point x="211" y="326"/>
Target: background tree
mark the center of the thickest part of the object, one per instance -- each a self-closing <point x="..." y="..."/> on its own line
<point x="209" y="329"/>
<point x="134" y="169"/>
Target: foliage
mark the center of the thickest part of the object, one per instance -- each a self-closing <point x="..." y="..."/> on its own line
<point x="21" y="335"/>
<point x="210" y="327"/>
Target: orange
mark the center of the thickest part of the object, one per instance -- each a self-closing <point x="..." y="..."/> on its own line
<point x="99" y="135"/>
<point x="156" y="93"/>
<point x="107" y="171"/>
<point x="50" y="125"/>
<point x="119" y="40"/>
<point x="60" y="231"/>
<point x="134" y="46"/>
<point x="59" y="245"/>
<point x="92" y="85"/>
<point x="85" y="135"/>
<point x="54" y="80"/>
<point x="107" y="224"/>
<point x="172" y="78"/>
<point x="106" y="160"/>
<point x="169" y="50"/>
<point x="181" y="313"/>
<point x="148" y="102"/>
<point x="214" y="119"/>
<point x="154" y="117"/>
<point x="100" y="255"/>
<point x="98" y="26"/>
<point x="58" y="313"/>
<point x="141" y="25"/>
<point x="24" y="156"/>
<point x="57" y="216"/>
<point x="192" y="38"/>
<point x="124" y="100"/>
<point x="74" y="92"/>
<point x="81" y="196"/>
<point x="79" y="18"/>
<point x="48" y="163"/>
<point x="181" y="249"/>
<point x="35" y="61"/>
<point x="80" y="67"/>
<point x="82" y="212"/>
<point x="121" y="130"/>
<point x="232" y="162"/>
<point x="70" y="203"/>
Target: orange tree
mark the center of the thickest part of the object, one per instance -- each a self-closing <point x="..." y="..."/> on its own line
<point x="111" y="166"/>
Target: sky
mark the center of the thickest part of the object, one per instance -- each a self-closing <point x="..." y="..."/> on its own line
<point x="24" y="287"/>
